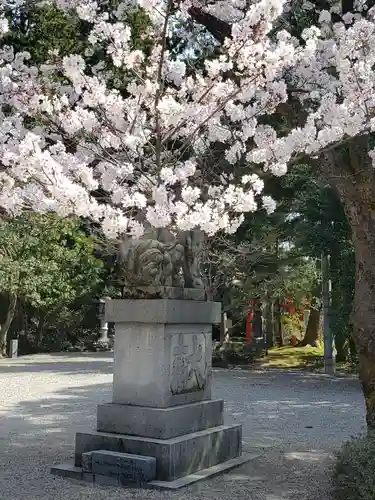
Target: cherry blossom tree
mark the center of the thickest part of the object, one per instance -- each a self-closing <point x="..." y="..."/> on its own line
<point x="121" y="135"/>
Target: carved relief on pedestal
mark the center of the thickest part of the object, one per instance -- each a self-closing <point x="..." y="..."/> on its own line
<point x="188" y="363"/>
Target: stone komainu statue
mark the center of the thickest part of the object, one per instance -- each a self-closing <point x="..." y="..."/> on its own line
<point x="160" y="259"/>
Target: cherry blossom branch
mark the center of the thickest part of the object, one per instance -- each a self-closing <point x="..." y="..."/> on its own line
<point x="160" y="83"/>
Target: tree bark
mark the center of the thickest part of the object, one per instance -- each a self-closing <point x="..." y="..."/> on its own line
<point x="312" y="330"/>
<point x="6" y="325"/>
<point x="364" y="319"/>
<point x="351" y="172"/>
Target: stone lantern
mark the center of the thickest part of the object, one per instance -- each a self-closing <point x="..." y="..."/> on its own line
<point x="102" y="306"/>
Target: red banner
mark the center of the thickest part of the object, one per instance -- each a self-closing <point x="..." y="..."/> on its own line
<point x="249" y="327"/>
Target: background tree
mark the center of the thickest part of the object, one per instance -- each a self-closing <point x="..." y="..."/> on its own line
<point x="261" y="261"/>
<point x="46" y="264"/>
<point x="319" y="224"/>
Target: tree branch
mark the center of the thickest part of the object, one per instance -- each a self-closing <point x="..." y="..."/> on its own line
<point x="218" y="28"/>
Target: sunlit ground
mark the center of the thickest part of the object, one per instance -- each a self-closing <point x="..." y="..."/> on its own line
<point x="294" y="357"/>
<point x="301" y="358"/>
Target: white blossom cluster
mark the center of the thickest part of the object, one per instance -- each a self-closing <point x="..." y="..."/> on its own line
<point x="80" y="145"/>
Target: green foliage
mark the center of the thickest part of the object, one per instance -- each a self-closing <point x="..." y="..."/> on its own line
<point x="41" y="28"/>
<point x="298" y="279"/>
<point x="354" y="471"/>
<point x="234" y="353"/>
<point x="343" y="284"/>
<point x="47" y="32"/>
<point x="293" y="325"/>
<point x="263" y="260"/>
<point x="139" y="22"/>
<point x="72" y="328"/>
<point x="47" y="262"/>
<point x="282" y="251"/>
<point x="320" y="225"/>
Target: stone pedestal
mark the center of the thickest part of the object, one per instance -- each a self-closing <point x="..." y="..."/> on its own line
<point x="162" y="351"/>
<point x="161" y="405"/>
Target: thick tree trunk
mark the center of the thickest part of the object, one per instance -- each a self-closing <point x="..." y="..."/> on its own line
<point x="312" y="330"/>
<point x="6" y="325"/>
<point x="268" y="315"/>
<point x="350" y="170"/>
<point x="364" y="320"/>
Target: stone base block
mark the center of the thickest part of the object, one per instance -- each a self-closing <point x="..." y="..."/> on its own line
<point x="202" y="475"/>
<point x="175" y="457"/>
<point x="163" y="311"/>
<point x="159" y="423"/>
<point x="72" y="472"/>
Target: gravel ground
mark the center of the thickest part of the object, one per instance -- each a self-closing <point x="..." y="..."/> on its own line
<point x="293" y="420"/>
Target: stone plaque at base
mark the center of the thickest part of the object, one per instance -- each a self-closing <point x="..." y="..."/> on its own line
<point x="161" y="405"/>
<point x="126" y="467"/>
